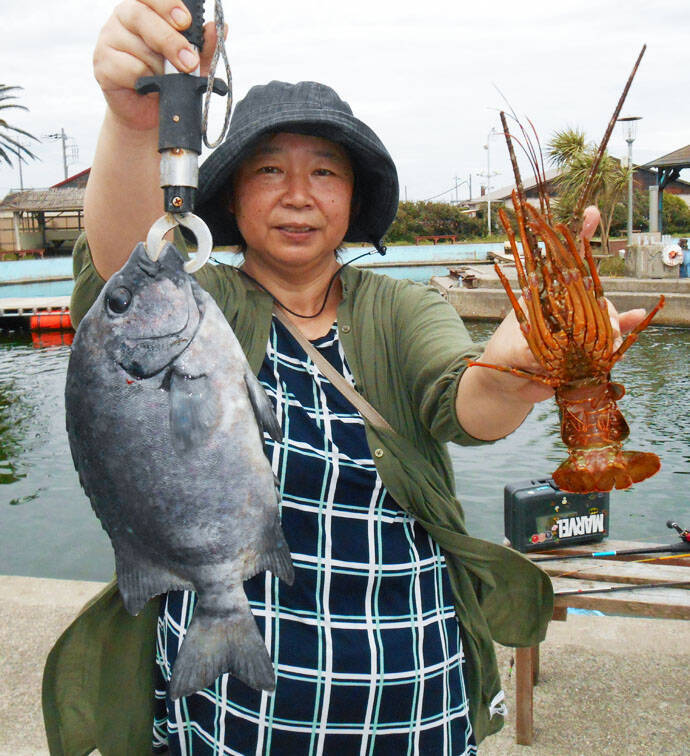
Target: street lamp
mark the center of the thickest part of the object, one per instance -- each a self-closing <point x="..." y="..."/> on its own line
<point x="629" y="125"/>
<point x="488" y="175"/>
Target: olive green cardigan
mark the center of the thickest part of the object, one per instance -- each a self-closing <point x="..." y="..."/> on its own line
<point x="407" y="349"/>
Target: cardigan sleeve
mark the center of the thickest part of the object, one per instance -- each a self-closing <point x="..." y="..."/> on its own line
<point x="87" y="281"/>
<point x="436" y="350"/>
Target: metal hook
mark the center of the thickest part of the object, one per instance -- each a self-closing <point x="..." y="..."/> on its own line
<point x="204" y="241"/>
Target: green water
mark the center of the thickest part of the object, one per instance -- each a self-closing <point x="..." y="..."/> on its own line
<point x="47" y="528"/>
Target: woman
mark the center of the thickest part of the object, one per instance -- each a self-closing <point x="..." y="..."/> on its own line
<point x="367" y="646"/>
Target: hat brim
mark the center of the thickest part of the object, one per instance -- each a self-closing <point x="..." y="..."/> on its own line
<point x="376" y="176"/>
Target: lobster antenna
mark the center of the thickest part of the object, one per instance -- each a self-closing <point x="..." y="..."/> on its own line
<point x="584" y="197"/>
<point x="535" y="157"/>
<point x="541" y="176"/>
<point x="518" y="178"/>
<point x="513" y="158"/>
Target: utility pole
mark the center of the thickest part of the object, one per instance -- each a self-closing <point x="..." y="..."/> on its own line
<point x="63" y="138"/>
<point x="629" y="124"/>
<point x="488" y="175"/>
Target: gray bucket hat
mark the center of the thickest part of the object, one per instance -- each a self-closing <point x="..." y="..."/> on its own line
<point x="304" y="108"/>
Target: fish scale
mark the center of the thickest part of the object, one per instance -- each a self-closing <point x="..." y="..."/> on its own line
<point x="165" y="421"/>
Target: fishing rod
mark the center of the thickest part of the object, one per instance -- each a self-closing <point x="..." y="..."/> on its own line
<point x="683" y="546"/>
<point x="615" y="588"/>
<point x="180" y="133"/>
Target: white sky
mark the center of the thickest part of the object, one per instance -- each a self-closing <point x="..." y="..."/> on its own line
<point x="423" y="75"/>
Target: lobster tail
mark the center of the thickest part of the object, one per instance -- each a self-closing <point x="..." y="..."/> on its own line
<point x="603" y="469"/>
<point x="594" y="428"/>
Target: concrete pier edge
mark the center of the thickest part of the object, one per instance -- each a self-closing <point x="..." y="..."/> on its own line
<point x="609" y="685"/>
<point x="489" y="300"/>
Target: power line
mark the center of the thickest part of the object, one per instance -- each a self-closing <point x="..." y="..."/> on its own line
<point x="452" y="189"/>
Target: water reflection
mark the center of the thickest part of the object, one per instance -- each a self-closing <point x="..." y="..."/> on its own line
<point x="47" y="527"/>
<point x="656" y="377"/>
<point x="16" y="412"/>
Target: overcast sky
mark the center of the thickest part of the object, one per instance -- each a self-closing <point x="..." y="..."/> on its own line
<point x="423" y="75"/>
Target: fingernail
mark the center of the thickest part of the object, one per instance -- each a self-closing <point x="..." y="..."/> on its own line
<point x="180" y="17"/>
<point x="187" y="58"/>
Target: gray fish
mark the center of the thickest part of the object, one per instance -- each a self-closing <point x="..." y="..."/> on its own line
<point x="164" y="418"/>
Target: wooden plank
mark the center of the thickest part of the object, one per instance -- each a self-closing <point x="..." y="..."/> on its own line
<point x="524" y="709"/>
<point x="616" y="571"/>
<point x="665" y="603"/>
<point x="535" y="665"/>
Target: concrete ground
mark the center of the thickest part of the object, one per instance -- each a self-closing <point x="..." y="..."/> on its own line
<point x="608" y="685"/>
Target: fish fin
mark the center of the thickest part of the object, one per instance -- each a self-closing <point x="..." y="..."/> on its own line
<point x="139" y="579"/>
<point x="263" y="409"/>
<point x="218" y="641"/>
<point x="194" y="410"/>
<point x="279" y="562"/>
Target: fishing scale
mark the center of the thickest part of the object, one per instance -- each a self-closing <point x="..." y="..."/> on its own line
<point x="180" y="130"/>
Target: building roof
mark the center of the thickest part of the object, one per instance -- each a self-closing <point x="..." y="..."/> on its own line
<point x="76" y="180"/>
<point x="45" y="200"/>
<point x="678" y="159"/>
<point x="503" y="194"/>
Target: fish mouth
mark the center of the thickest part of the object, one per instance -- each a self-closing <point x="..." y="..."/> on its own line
<point x="149" y="356"/>
<point x="165" y="335"/>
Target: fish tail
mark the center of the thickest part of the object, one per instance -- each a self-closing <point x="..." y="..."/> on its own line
<point x="218" y="640"/>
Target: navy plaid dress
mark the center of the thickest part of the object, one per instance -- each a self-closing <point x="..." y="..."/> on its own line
<point x="365" y="644"/>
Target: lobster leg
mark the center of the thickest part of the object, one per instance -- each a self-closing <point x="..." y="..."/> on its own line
<point x="547" y="351"/>
<point x="604" y="342"/>
<point x="598" y="336"/>
<point x="631" y="338"/>
<point x="584" y="323"/>
<point x="536" y="331"/>
<point x="545" y="379"/>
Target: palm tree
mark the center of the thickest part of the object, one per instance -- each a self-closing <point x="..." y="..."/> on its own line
<point x="9" y="146"/>
<point x="570" y="151"/>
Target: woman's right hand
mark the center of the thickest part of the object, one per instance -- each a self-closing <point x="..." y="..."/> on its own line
<point x="133" y="43"/>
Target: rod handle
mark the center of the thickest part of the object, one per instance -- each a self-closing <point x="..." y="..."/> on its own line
<point x="195" y="32"/>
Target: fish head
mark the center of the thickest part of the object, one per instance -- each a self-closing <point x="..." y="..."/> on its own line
<point x="149" y="311"/>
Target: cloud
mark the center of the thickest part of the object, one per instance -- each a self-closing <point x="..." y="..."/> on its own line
<point x="421" y="74"/>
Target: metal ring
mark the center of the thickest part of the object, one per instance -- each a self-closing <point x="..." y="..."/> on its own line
<point x="204" y="240"/>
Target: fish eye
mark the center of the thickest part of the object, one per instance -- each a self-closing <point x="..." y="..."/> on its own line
<point x="119" y="300"/>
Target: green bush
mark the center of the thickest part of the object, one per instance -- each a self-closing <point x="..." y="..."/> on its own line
<point x="431" y="218"/>
<point x="676" y="215"/>
<point x="612" y="266"/>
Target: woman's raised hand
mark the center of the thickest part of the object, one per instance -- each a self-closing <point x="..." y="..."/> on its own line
<point x="134" y="42"/>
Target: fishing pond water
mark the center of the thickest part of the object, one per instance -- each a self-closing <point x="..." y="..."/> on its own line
<point x="47" y="527"/>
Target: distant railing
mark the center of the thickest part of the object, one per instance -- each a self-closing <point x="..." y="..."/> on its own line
<point x="21" y="253"/>
<point x="435" y="238"/>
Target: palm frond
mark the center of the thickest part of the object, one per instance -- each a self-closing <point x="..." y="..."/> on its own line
<point x="10" y="147"/>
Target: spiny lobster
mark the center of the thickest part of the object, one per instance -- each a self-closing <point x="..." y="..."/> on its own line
<point x="566" y="323"/>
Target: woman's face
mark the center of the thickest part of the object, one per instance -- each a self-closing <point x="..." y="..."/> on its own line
<point x="291" y="200"/>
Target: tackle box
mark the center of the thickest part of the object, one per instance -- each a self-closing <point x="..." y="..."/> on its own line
<point x="539" y="516"/>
